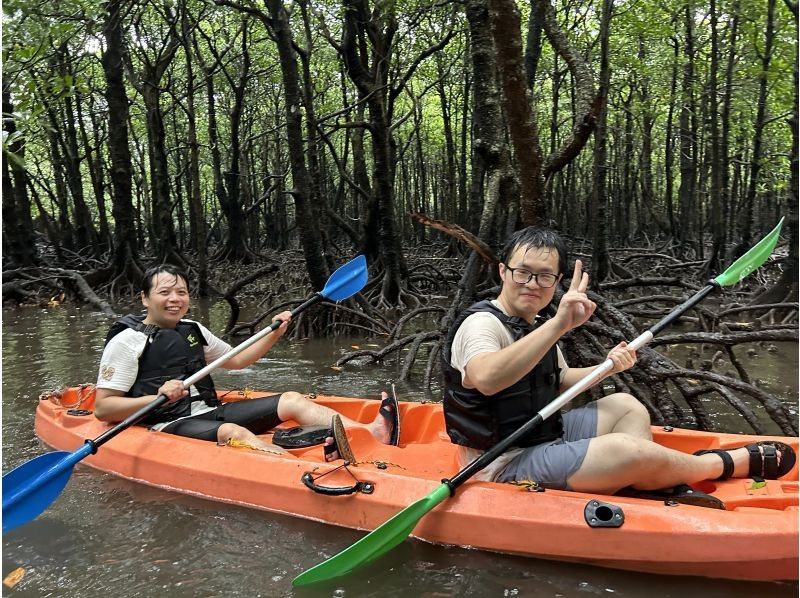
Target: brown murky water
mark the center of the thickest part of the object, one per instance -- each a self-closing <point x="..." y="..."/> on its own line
<point x="105" y="536"/>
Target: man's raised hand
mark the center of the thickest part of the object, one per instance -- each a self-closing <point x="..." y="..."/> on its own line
<point x="575" y="307"/>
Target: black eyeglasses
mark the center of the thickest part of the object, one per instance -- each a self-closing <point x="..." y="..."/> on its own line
<point x="523" y="276"/>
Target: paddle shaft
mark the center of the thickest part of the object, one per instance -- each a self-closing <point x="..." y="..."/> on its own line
<point x="49" y="473"/>
<point x="198" y="375"/>
<point x="385" y="537"/>
<point x="90" y="446"/>
<point x="586" y="382"/>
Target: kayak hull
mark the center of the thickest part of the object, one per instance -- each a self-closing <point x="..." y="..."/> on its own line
<point x="755" y="538"/>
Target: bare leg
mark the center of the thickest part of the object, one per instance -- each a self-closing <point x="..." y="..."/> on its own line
<point x="615" y="461"/>
<point x="622" y="413"/>
<point x="305" y="412"/>
<point x="230" y="431"/>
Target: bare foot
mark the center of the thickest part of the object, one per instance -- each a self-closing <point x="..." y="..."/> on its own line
<point x="268" y="447"/>
<point x="380" y="428"/>
<point x="329" y="456"/>
<point x="257" y="445"/>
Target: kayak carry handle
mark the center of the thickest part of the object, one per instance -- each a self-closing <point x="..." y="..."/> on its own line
<point x="310" y="482"/>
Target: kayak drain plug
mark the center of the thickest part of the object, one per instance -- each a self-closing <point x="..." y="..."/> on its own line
<point x="603" y="514"/>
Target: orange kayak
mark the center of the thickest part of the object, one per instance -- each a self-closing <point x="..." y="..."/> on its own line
<point x="754" y="538"/>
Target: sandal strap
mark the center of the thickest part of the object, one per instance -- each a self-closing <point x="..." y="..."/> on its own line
<point x="727" y="464"/>
<point x="763" y="460"/>
<point x="727" y="461"/>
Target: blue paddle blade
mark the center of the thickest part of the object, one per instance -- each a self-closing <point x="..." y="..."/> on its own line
<point x="32" y="487"/>
<point x="348" y="280"/>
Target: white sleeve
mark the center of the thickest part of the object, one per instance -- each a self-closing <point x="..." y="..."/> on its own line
<point x="215" y="347"/>
<point x="120" y="361"/>
<point x="479" y="333"/>
<point x="562" y="364"/>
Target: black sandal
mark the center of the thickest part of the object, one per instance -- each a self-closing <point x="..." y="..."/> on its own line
<point x="727" y="461"/>
<point x="340" y="447"/>
<point x="764" y="461"/>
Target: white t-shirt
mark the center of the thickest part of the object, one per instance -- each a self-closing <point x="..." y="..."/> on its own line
<point x="119" y="364"/>
<point x="481" y="333"/>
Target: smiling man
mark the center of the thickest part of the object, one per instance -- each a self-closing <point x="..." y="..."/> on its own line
<point x="149" y="355"/>
<point x="502" y="365"/>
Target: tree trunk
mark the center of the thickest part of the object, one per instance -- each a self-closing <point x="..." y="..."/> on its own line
<point x="125" y="253"/>
<point x="725" y="121"/>
<point x="149" y="84"/>
<point x="717" y="216"/>
<point x="96" y="167"/>
<point x="669" y="144"/>
<point x="600" y="259"/>
<point x="686" y="195"/>
<point x="236" y="248"/>
<point x="308" y="227"/>
<point x="19" y="247"/>
<point x="85" y="234"/>
<point x="745" y="218"/>
<point x="61" y="192"/>
<point x="197" y="221"/>
<point x="524" y="133"/>
<point x="371" y="80"/>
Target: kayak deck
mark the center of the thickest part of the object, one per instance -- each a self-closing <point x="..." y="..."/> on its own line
<point x="755" y="537"/>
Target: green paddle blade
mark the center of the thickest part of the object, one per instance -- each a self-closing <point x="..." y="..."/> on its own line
<point x="751" y="260"/>
<point x="375" y="544"/>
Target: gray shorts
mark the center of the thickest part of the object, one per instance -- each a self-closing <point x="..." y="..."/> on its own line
<point x="552" y="463"/>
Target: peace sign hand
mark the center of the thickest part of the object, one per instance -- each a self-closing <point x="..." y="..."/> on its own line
<point x="575" y="307"/>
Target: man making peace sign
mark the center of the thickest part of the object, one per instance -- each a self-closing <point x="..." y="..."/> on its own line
<point x="502" y="365"/>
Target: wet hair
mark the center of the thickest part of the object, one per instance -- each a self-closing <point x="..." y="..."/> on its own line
<point x="150" y="274"/>
<point x="536" y="238"/>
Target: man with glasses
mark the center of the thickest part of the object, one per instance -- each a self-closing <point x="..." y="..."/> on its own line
<point x="502" y="365"/>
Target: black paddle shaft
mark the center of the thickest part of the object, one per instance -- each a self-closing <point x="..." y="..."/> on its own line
<point x="685" y="306"/>
<point x="132" y="419"/>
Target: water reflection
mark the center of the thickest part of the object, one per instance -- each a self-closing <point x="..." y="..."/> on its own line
<point x="106" y="536"/>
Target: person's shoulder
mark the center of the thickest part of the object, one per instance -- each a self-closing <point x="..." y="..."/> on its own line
<point x="187" y="321"/>
<point x="481" y="318"/>
<point x="126" y="342"/>
<point x="127" y="336"/>
<point x="480" y="323"/>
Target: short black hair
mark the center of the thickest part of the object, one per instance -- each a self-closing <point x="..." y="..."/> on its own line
<point x="150" y="273"/>
<point x="534" y="237"/>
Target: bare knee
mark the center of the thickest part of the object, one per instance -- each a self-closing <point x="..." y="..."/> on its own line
<point x="292" y="398"/>
<point x="230" y="431"/>
<point x="613" y="461"/>
<point x="290" y="404"/>
<point x="624" y="404"/>
<point x="624" y="450"/>
<point x="635" y="406"/>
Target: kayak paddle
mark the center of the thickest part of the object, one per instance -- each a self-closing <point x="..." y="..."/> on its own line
<point x="385" y="537"/>
<point x="31" y="487"/>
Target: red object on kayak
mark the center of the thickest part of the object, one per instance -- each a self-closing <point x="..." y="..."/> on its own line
<point x="754" y="538"/>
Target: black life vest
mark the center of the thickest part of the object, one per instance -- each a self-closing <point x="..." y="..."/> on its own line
<point x="480" y="421"/>
<point x="169" y="354"/>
